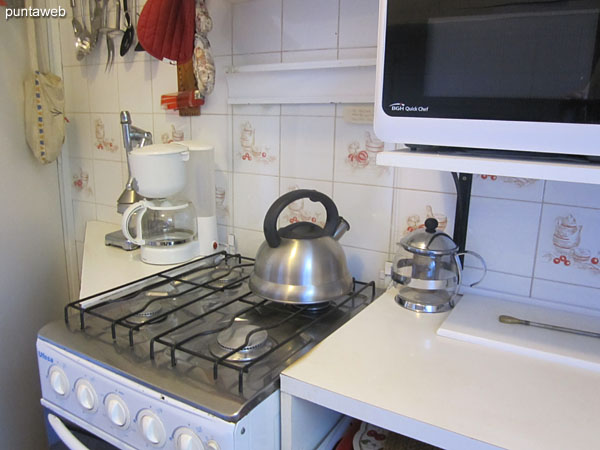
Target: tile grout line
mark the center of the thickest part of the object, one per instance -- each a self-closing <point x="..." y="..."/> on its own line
<point x="537" y="243"/>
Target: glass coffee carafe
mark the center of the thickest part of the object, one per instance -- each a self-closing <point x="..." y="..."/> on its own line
<point x="427" y="270"/>
<point x="166" y="229"/>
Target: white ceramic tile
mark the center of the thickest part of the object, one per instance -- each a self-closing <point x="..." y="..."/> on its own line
<point x="223" y="196"/>
<point x="563" y="293"/>
<point x="109" y="182"/>
<point x="257" y="58"/>
<point x="412" y="208"/>
<point x="355" y="150"/>
<point x="309" y="55"/>
<point x="304" y="209"/>
<point x="358" y="23"/>
<point x="256" y="145"/>
<point x="82" y="179"/>
<point x="164" y="81"/>
<point x="496" y="281"/>
<point x="257" y="26"/>
<point x="425" y="180"/>
<point x="171" y="128"/>
<point x="215" y="130"/>
<point x="310" y="24"/>
<point x="77" y="136"/>
<point x="339" y="110"/>
<point x="571" y="233"/>
<point x="252" y="197"/>
<point x="576" y="194"/>
<point x="103" y="89"/>
<point x="82" y="212"/>
<point x="77" y="98"/>
<point x="368" y="209"/>
<point x="307" y="147"/>
<point x="504" y="233"/>
<point x="106" y="139"/>
<point x="365" y="265"/>
<point x="357" y="53"/>
<point x="221" y="34"/>
<point x="256" y="110"/>
<point x="319" y="110"/>
<point x="508" y="187"/>
<point x="248" y="241"/>
<point x="216" y="101"/>
<point x="108" y="214"/>
<point x="135" y="87"/>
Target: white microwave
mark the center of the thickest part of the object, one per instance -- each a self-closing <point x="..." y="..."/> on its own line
<point x="491" y="74"/>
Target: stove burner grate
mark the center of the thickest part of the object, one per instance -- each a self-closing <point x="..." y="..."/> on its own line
<point x="247" y="342"/>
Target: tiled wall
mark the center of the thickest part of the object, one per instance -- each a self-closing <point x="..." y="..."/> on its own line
<point x="521" y="227"/>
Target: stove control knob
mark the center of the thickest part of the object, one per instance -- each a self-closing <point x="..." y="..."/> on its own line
<point x="117" y="411"/>
<point x="58" y="380"/>
<point x="86" y="395"/>
<point x="186" y="439"/>
<point x="152" y="428"/>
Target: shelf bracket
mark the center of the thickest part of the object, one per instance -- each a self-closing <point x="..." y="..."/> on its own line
<point x="463" y="182"/>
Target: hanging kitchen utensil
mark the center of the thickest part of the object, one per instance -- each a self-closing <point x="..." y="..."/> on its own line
<point x="302" y="263"/>
<point x="204" y="64"/>
<point x="428" y="280"/>
<point x="129" y="34"/>
<point x="166" y="29"/>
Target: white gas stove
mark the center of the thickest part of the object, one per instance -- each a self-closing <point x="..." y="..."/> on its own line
<point x="188" y="358"/>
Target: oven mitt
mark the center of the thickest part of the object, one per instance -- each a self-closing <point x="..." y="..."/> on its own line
<point x="44" y="115"/>
<point x="166" y="29"/>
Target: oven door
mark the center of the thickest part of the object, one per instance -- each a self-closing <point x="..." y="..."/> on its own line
<point x="64" y="434"/>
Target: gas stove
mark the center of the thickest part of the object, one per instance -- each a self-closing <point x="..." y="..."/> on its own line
<point x="189" y="355"/>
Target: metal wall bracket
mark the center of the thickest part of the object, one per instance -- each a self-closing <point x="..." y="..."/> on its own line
<point x="463" y="182"/>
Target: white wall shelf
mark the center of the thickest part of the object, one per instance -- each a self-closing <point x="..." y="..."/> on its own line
<point x="557" y="171"/>
<point x="336" y="81"/>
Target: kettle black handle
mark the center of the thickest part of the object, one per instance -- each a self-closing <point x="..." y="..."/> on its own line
<point x="270" y="223"/>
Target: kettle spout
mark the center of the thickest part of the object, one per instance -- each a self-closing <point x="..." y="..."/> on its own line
<point x="341" y="229"/>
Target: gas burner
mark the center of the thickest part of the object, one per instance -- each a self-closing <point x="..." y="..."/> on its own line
<point x="235" y="336"/>
<point x="225" y="276"/>
<point x="147" y="315"/>
<point x="314" y="308"/>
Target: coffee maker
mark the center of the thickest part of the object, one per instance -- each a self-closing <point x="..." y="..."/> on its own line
<point x="175" y="221"/>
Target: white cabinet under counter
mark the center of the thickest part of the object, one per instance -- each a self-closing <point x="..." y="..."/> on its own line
<point x="388" y="367"/>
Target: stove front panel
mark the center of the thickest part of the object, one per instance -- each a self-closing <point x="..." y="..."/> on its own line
<point x="136" y="415"/>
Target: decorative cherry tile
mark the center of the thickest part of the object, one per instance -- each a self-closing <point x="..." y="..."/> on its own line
<point x="170" y="128"/>
<point x="569" y="245"/>
<point x="82" y="179"/>
<point x="356" y="148"/>
<point x="106" y="137"/>
<point x="256" y="145"/>
<point x="508" y="187"/>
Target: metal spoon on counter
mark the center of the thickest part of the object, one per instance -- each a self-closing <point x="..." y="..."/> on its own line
<point x="515" y="321"/>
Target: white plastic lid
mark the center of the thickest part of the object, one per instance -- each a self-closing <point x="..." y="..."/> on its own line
<point x="196" y="146"/>
<point x="160" y="149"/>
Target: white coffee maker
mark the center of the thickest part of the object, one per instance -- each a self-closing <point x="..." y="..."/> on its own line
<point x="176" y="220"/>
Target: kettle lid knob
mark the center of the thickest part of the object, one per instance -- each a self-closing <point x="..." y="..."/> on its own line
<point x="430" y="225"/>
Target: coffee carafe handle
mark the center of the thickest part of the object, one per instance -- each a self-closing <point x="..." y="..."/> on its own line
<point x="129" y="212"/>
<point x="460" y="267"/>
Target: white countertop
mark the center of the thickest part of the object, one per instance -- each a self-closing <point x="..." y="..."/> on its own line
<point x="388" y="366"/>
<point x="106" y="267"/>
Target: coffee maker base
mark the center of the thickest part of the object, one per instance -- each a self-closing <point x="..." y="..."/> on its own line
<point x="426" y="307"/>
<point x="176" y="254"/>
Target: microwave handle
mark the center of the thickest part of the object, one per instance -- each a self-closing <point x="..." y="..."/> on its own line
<point x="65" y="434"/>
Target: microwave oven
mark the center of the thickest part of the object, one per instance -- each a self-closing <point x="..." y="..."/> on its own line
<point x="490" y="74"/>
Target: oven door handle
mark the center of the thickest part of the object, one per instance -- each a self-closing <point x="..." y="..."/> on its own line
<point x="65" y="434"/>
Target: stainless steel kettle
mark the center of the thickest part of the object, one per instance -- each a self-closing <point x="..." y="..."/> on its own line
<point x="428" y="278"/>
<point x="302" y="263"/>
